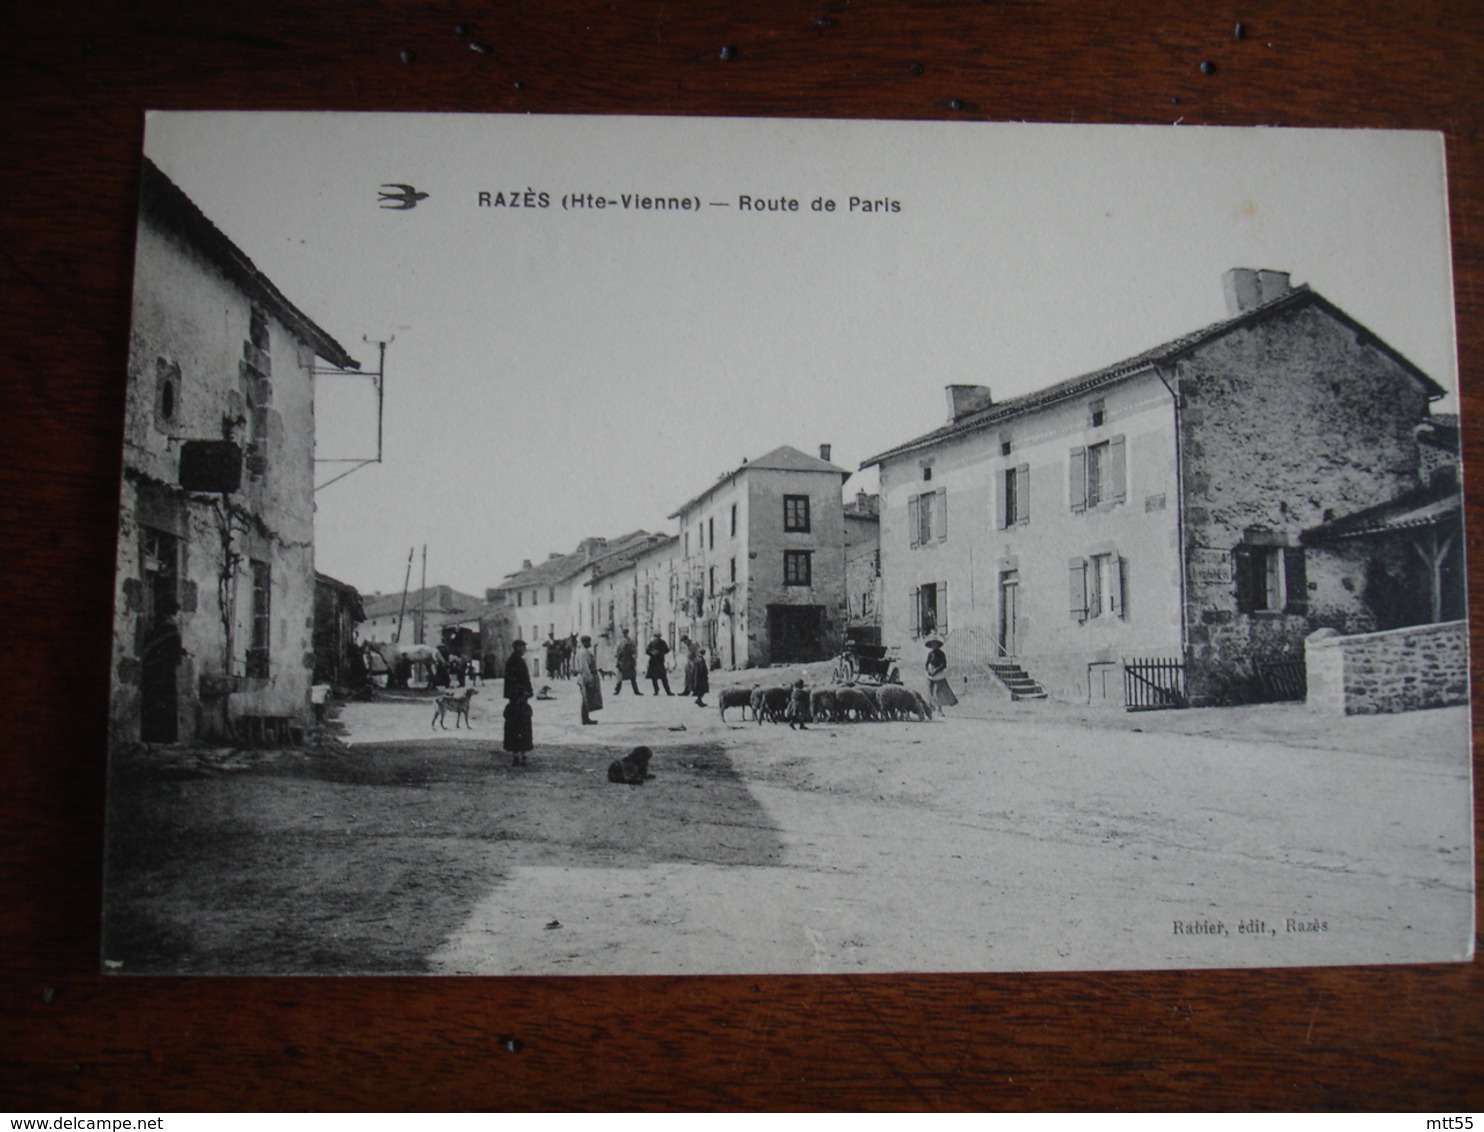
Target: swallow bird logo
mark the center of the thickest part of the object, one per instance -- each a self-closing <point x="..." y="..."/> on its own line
<point x="400" y="197"/>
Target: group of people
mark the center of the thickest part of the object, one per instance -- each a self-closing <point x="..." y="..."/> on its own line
<point x="584" y="666"/>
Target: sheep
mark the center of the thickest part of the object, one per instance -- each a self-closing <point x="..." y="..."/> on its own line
<point x="900" y="703"/>
<point x="769" y="702"/>
<point x="735" y="697"/>
<point x="854" y="700"/>
<point x="927" y="708"/>
<point x="822" y="704"/>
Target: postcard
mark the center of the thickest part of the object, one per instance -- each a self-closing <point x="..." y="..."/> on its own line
<point x="608" y="545"/>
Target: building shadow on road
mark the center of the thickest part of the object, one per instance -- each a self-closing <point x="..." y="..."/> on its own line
<point x="337" y="861"/>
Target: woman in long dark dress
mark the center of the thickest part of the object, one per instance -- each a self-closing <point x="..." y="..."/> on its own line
<point x="518" y="693"/>
<point x="700" y="675"/>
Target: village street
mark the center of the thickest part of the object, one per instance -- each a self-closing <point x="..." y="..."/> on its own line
<point x="1017" y="841"/>
<point x="1025" y="836"/>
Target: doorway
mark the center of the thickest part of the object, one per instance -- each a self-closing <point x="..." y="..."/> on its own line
<point x="159" y="637"/>
<point x="795" y="633"/>
<point x="1010" y="613"/>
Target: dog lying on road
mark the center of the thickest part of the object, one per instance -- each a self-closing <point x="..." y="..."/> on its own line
<point x="456" y="702"/>
<point x="632" y="769"/>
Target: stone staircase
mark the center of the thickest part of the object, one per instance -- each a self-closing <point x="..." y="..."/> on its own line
<point x="1016" y="681"/>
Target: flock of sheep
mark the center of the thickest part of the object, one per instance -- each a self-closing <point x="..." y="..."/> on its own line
<point x="801" y="705"/>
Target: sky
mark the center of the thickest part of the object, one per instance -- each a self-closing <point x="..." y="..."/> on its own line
<point x="558" y="372"/>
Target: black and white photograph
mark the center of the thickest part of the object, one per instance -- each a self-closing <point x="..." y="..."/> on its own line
<point x="654" y="546"/>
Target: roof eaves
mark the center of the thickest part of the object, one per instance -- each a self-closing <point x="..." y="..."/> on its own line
<point x="163" y="199"/>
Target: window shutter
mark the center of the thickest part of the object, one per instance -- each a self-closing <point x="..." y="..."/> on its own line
<point x="940" y="518"/>
<point x="1077" y="480"/>
<point x="1077" y="588"/>
<point x="1115" y="583"/>
<point x="916" y="612"/>
<point x="1118" y="489"/>
<point x="912" y="519"/>
<point x="1242" y="575"/>
<point x="1295" y="581"/>
<point x="942" y="625"/>
<point x="1023" y="493"/>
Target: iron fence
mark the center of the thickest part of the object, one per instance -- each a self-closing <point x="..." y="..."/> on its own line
<point x="1153" y="683"/>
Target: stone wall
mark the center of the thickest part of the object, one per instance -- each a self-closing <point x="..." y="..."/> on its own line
<point x="1423" y="666"/>
<point x="1286" y="424"/>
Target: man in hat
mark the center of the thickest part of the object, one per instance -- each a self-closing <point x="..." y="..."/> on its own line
<point x="939" y="690"/>
<point x="628" y="664"/>
<point x="655" y="673"/>
<point x="588" y="683"/>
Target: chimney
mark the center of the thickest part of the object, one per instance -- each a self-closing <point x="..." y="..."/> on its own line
<point x="966" y="399"/>
<point x="525" y="563"/>
<point x="1246" y="288"/>
<point x="824" y="453"/>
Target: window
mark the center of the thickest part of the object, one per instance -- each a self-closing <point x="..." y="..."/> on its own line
<point x="797" y="567"/>
<point x="733" y="568"/>
<point x="551" y="595"/>
<point x="535" y="597"/>
<point x="1096" y="413"/>
<point x="1097" y="586"/>
<point x="734" y="520"/>
<point x="927" y="517"/>
<point x="795" y="512"/>
<point x="1098" y="475"/>
<point x="1270" y="579"/>
<point x="687" y="544"/>
<point x="711" y="532"/>
<point x="1004" y="444"/>
<point x="711" y="582"/>
<point x="520" y="599"/>
<point x="930" y="609"/>
<point x="167" y="394"/>
<point x="258" y="638"/>
<point x="1016" y="496"/>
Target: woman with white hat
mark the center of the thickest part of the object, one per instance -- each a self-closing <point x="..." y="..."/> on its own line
<point x="939" y="691"/>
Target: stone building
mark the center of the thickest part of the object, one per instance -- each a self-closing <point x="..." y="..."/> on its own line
<point x="863" y="568"/>
<point x="419" y="617"/>
<point x="338" y="660"/>
<point x="1154" y="509"/>
<point x="214" y="609"/>
<point x="552" y="598"/>
<point x="761" y="572"/>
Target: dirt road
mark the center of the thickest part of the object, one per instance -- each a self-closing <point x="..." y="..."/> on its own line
<point x="1028" y="837"/>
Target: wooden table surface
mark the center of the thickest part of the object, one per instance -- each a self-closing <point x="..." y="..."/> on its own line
<point x="76" y="78"/>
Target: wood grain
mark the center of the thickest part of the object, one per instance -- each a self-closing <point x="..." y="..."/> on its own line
<point x="76" y="78"/>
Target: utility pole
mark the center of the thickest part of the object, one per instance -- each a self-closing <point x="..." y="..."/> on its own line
<point x="402" y="611"/>
<point x="422" y="597"/>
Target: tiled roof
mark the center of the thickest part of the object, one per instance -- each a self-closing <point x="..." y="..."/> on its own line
<point x="1420" y="507"/>
<point x="1290" y="300"/>
<point x="784" y="458"/>
<point x="162" y="199"/>
<point x="563" y="566"/>
<point x="434" y="599"/>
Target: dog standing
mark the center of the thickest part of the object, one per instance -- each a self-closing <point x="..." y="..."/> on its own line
<point x="456" y="702"/>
